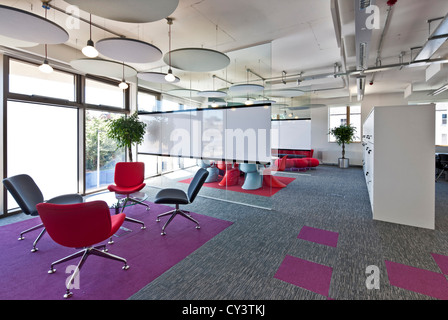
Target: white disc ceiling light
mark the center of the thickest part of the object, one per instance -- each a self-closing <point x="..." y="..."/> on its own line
<point x="132" y="11"/>
<point x="285" y="93"/>
<point x="104" y="68"/>
<point x="156" y="77"/>
<point x="129" y="50"/>
<point x="212" y="94"/>
<point x="29" y="27"/>
<point x="197" y="59"/>
<point x="245" y="88"/>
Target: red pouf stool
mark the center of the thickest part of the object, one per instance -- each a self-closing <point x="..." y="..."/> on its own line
<point x="232" y="174"/>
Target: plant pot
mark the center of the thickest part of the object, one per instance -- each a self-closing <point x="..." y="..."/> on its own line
<point x="343" y="163"/>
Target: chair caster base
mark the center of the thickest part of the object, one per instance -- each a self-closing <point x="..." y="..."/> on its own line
<point x="68" y="294"/>
<point x="21" y="238"/>
<point x="34" y="249"/>
<point x="52" y="270"/>
<point x="125" y="267"/>
<point x="198" y="227"/>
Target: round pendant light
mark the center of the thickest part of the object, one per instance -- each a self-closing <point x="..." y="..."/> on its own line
<point x="129" y="50"/>
<point x="212" y="94"/>
<point x="133" y="11"/>
<point x="184" y="93"/>
<point x="197" y="59"/>
<point x="245" y="88"/>
<point x="157" y="77"/>
<point x="26" y="26"/>
<point x="103" y="67"/>
<point x="285" y="93"/>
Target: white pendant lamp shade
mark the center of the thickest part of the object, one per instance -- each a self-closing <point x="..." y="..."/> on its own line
<point x="197" y="59"/>
<point x="129" y="50"/>
<point x="157" y="77"/>
<point x="123" y="85"/>
<point x="45" y="67"/>
<point x="170" y="76"/>
<point x="29" y="27"/>
<point x="89" y="50"/>
<point x="133" y="11"/>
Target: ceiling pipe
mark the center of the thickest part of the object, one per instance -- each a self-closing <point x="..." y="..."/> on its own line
<point x="383" y="33"/>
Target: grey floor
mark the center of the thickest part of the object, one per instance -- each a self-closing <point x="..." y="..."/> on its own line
<point x="240" y="262"/>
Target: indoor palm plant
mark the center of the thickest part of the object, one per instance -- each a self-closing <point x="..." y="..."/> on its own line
<point x="344" y="134"/>
<point x="127" y="131"/>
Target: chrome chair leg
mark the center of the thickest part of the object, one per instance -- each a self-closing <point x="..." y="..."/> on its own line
<point x="173" y="213"/>
<point x="30" y="229"/>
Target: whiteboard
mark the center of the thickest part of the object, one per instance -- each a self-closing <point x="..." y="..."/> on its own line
<point x="237" y="133"/>
<point x="291" y="134"/>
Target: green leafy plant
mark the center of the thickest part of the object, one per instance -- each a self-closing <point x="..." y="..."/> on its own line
<point x="126" y="131"/>
<point x="344" y="134"/>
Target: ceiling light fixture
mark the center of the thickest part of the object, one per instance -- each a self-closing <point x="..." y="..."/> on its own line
<point x="89" y="50"/>
<point x="45" y="67"/>
<point x="170" y="76"/>
<point x="123" y="85"/>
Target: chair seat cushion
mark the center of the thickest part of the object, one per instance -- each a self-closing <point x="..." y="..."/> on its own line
<point x="126" y="190"/>
<point x="171" y="196"/>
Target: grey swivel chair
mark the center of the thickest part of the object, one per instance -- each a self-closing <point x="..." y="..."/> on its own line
<point x="178" y="197"/>
<point x="27" y="195"/>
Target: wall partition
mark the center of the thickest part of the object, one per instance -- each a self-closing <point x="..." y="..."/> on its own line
<point x="231" y="142"/>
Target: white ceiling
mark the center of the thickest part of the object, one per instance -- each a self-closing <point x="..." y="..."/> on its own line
<point x="272" y="37"/>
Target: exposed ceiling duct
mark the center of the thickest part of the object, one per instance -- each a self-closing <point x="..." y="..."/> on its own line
<point x="363" y="34"/>
<point x="435" y="41"/>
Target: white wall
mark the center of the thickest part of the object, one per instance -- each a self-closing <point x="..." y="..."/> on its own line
<point x="328" y="153"/>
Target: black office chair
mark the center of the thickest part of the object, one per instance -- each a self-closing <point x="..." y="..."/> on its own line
<point x="178" y="197"/>
<point x="441" y="164"/>
<point x="27" y="195"/>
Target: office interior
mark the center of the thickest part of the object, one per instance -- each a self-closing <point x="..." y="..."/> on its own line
<point x="321" y="62"/>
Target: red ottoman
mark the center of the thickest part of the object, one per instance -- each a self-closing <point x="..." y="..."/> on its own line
<point x="300" y="163"/>
<point x="311" y="162"/>
<point x="231" y="176"/>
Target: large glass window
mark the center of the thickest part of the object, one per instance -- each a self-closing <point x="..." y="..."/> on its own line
<point x="101" y="152"/>
<point x="25" y="78"/>
<point x="146" y="102"/>
<point x="343" y="115"/>
<point x="42" y="141"/>
<point x="441" y="124"/>
<point x="104" y="94"/>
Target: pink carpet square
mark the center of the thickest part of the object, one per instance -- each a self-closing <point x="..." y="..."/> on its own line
<point x="305" y="274"/>
<point x="328" y="238"/>
<point x="426" y="282"/>
<point x="442" y="262"/>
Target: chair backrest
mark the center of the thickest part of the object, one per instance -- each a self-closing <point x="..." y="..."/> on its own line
<point x="76" y="225"/>
<point x="129" y="174"/>
<point x="196" y="184"/>
<point x="443" y="159"/>
<point x="25" y="191"/>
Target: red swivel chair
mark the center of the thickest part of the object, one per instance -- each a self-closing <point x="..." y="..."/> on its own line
<point x="128" y="178"/>
<point x="80" y="225"/>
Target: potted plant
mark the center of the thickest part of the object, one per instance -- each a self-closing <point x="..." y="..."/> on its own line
<point x="127" y="131"/>
<point x="344" y="134"/>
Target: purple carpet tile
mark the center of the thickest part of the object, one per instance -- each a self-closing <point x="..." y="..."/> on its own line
<point x="305" y="274"/>
<point x="149" y="254"/>
<point x="442" y="262"/>
<point x="328" y="238"/>
<point x="422" y="281"/>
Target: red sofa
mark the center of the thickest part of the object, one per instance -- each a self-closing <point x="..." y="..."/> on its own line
<point x="289" y="162"/>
